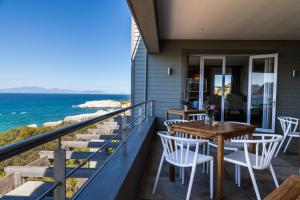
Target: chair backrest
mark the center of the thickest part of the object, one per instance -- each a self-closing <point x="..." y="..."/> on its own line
<point x="167" y="123"/>
<point x="241" y="137"/>
<point x="235" y="101"/>
<point x="197" y="117"/>
<point x="265" y="148"/>
<point x="177" y="150"/>
<point x="288" y="124"/>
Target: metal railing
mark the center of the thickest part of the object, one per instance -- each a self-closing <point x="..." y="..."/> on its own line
<point x="141" y="111"/>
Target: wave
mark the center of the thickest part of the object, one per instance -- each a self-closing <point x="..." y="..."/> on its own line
<point x="22" y="113"/>
<point x="13" y="113"/>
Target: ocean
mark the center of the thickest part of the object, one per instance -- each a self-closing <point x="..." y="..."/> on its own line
<point x="23" y="109"/>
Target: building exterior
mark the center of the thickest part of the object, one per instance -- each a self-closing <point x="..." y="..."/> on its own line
<point x="237" y="56"/>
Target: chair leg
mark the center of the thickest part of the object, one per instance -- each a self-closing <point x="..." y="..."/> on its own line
<point x="182" y="175"/>
<point x="274" y="175"/>
<point x="239" y="176"/>
<point x="279" y="147"/>
<point x="235" y="174"/>
<point x="211" y="178"/>
<point x="287" y="144"/>
<point x="207" y="153"/>
<point x="191" y="182"/>
<point x="158" y="173"/>
<point x="204" y="153"/>
<point x="254" y="183"/>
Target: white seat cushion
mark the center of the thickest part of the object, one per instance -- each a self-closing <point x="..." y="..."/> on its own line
<point x="294" y="134"/>
<point x="238" y="157"/>
<point x="228" y="145"/>
<point x="190" y="157"/>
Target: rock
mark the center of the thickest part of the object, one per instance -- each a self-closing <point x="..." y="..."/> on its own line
<point x="51" y="124"/>
<point x="32" y="125"/>
<point x="126" y="105"/>
<point x="100" y="104"/>
<point x="82" y="117"/>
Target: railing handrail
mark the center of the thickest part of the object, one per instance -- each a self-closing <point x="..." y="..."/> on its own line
<point x="14" y="149"/>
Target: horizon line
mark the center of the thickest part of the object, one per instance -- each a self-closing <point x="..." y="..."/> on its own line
<point x="64" y="93"/>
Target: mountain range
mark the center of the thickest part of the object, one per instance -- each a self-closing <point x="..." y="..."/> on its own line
<point x="41" y="90"/>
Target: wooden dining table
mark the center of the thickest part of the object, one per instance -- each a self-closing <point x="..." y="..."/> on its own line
<point x="182" y="113"/>
<point x="220" y="131"/>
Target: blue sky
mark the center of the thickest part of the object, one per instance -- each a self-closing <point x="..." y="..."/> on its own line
<point x="72" y="44"/>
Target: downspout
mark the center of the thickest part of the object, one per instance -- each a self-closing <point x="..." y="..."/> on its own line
<point x="133" y="56"/>
<point x="146" y="80"/>
<point x="132" y="81"/>
<point x="133" y="68"/>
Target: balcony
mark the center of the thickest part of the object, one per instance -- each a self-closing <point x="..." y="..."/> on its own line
<point x="123" y="165"/>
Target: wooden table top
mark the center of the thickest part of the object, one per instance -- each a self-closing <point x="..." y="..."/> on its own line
<point x="288" y="190"/>
<point x="181" y="111"/>
<point x="226" y="129"/>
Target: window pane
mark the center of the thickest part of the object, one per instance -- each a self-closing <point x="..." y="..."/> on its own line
<point x="193" y="76"/>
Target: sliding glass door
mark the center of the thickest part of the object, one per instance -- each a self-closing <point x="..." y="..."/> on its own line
<point x="262" y="91"/>
<point x="242" y="87"/>
<point x="212" y="83"/>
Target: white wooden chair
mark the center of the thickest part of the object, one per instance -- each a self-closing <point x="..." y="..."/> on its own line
<point x="197" y="117"/>
<point x="265" y="148"/>
<point x="231" y="146"/>
<point x="177" y="151"/>
<point x="289" y="127"/>
<point x="167" y="123"/>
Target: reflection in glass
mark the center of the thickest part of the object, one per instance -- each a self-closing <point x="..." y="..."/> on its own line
<point x="262" y="84"/>
<point x="212" y="84"/>
<point x="236" y="88"/>
<point x="193" y="76"/>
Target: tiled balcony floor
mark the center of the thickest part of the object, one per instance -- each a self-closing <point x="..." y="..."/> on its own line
<point x="284" y="165"/>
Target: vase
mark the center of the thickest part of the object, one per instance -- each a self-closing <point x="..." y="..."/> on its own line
<point x="209" y="119"/>
<point x="185" y="107"/>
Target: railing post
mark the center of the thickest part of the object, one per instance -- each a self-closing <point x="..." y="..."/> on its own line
<point x="145" y="110"/>
<point x="124" y="132"/>
<point x="60" y="173"/>
<point x="140" y="115"/>
<point x="151" y="108"/>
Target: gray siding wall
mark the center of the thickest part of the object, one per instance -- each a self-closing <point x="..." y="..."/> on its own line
<point x="138" y="66"/>
<point x="167" y="91"/>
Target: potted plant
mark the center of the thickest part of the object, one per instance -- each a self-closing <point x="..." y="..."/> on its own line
<point x="210" y="114"/>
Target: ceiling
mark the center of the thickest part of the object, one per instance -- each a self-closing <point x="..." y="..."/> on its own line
<point x="229" y="19"/>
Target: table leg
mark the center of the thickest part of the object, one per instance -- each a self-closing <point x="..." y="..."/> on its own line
<point x="172" y="167"/>
<point x="251" y="145"/>
<point x="166" y="115"/>
<point x="251" y="150"/>
<point x="220" y="167"/>
<point x="184" y="116"/>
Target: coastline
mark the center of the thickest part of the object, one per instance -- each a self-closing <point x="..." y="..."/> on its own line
<point x="21" y="110"/>
<point x="100" y="105"/>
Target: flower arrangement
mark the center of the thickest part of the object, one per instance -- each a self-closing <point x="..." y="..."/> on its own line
<point x="210" y="113"/>
<point x="209" y="109"/>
